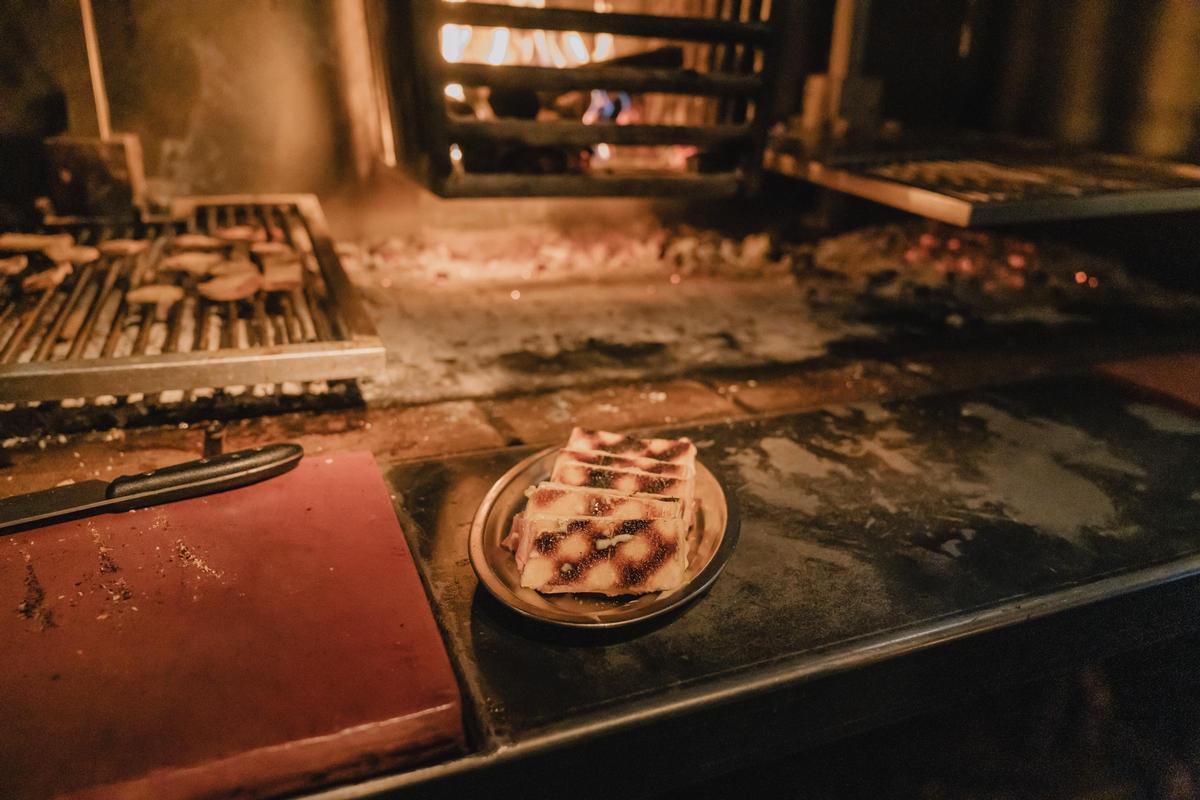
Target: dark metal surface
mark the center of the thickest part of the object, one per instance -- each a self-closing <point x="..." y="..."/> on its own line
<point x="869" y="534"/>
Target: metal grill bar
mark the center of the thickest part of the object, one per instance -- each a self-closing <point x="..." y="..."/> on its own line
<point x="578" y="134"/>
<point x="630" y="79"/>
<point x="719" y="184"/>
<point x="13" y="347"/>
<point x="51" y="337"/>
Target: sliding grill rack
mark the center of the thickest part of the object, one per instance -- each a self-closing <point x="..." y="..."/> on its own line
<point x="993" y="181"/>
<point x="315" y="333"/>
<point x="729" y="60"/>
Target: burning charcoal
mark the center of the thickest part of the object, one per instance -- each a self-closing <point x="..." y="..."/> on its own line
<point x="269" y="249"/>
<point x="47" y="279"/>
<point x="161" y="295"/>
<point x="719" y="158"/>
<point x="124" y="247"/>
<point x="516" y="103"/>
<point x="482" y="156"/>
<point x="544" y="160"/>
<point x="196" y="241"/>
<point x="192" y="262"/>
<point x="236" y="286"/>
<point x="13" y="265"/>
<point x="241" y="233"/>
<point x="282" y="276"/>
<point x="34" y="242"/>
<point x="572" y="104"/>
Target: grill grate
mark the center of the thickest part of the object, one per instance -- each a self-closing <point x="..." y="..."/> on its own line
<point x="84" y="338"/>
<point x="988" y="182"/>
<point x="717" y="72"/>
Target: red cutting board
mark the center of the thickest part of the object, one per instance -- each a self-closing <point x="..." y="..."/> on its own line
<point x="266" y="640"/>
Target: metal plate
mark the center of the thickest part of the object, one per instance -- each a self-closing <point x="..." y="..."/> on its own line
<point x="710" y="543"/>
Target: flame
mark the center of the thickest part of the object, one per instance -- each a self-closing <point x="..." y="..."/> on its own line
<point x="455" y="153"/>
<point x="499" y="48"/>
<point x="455" y="91"/>
<point x="455" y="39"/>
<point x="602" y="45"/>
<point x="525" y="47"/>
<point x="679" y="155"/>
<point x="575" y="47"/>
<point x="603" y="152"/>
<point x="540" y="46"/>
<point x="603" y="48"/>
<point x="599" y="102"/>
<point x="556" y="54"/>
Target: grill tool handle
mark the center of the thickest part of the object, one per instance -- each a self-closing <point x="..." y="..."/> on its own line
<point x="205" y="476"/>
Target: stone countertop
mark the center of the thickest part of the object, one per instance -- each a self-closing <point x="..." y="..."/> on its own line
<point x="868" y="531"/>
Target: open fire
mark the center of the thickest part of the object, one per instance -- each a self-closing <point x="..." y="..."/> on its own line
<point x="501" y="45"/>
<point x="525" y="98"/>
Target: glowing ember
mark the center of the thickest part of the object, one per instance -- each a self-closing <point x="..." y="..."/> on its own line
<point x="1081" y="277"/>
<point x="675" y="279"/>
<point x="455" y="39"/>
<point x="1017" y="261"/>
<point x="603" y="47"/>
<point x="1093" y="282"/>
<point x="576" y="49"/>
<point x="556" y="54"/>
<point x="542" y="47"/>
<point x="499" y="47"/>
<point x="515" y="294"/>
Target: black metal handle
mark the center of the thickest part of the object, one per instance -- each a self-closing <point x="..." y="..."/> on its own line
<point x="208" y="475"/>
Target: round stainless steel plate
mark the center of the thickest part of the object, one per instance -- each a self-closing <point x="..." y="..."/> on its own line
<point x="710" y="544"/>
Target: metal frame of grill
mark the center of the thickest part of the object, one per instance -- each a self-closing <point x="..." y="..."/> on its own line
<point x="319" y="332"/>
<point x="997" y="181"/>
<point x="419" y="74"/>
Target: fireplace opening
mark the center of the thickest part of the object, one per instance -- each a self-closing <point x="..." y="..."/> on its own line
<point x="581" y="99"/>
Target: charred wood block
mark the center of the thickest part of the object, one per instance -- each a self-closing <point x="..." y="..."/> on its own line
<point x="517" y="103"/>
<point x="96" y="178"/>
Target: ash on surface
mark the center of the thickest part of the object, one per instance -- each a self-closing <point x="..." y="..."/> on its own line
<point x="536" y="306"/>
